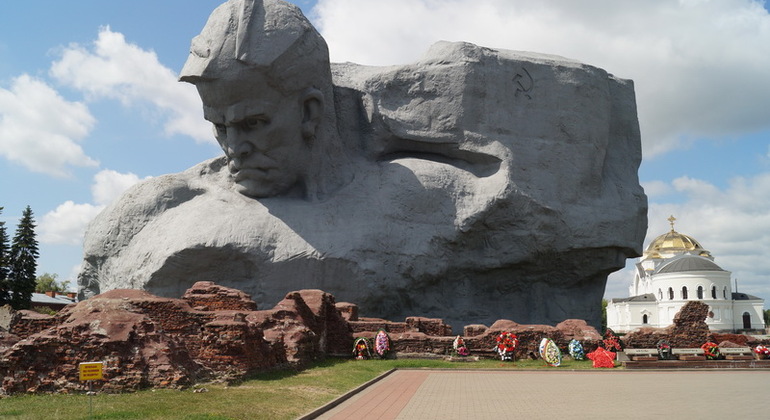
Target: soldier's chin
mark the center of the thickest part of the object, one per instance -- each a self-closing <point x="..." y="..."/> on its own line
<point x="254" y="189"/>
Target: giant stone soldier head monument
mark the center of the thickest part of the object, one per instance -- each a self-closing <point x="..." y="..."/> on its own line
<point x="473" y="185"/>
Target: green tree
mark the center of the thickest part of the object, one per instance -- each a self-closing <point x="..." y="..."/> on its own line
<point x="767" y="318"/>
<point x="4" y="264"/>
<point x="47" y="283"/>
<point x="23" y="259"/>
<point x="604" y="316"/>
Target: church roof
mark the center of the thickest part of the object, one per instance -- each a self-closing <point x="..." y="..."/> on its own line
<point x="744" y="296"/>
<point x="647" y="297"/>
<point x="673" y="242"/>
<point x="688" y="262"/>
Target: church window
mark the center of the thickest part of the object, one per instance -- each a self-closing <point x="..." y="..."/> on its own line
<point x="660" y="294"/>
<point x="700" y="292"/>
<point x="724" y="293"/>
<point x="746" y="321"/>
<point x="670" y="294"/>
<point x="644" y="319"/>
<point x="713" y="292"/>
<point x="684" y="292"/>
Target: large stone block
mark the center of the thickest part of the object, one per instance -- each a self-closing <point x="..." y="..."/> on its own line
<point x="473" y="185"/>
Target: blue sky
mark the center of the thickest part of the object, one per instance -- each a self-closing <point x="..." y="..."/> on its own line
<point x="89" y="104"/>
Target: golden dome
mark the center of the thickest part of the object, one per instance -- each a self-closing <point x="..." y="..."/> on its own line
<point x="674" y="242"/>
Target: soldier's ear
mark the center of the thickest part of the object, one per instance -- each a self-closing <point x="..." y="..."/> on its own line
<point x="312" y="112"/>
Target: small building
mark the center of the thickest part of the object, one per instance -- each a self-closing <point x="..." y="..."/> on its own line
<point x="674" y="269"/>
<point x="53" y="300"/>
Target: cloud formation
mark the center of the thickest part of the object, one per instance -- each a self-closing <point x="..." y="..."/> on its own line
<point x="699" y="67"/>
<point x="41" y="130"/>
<point x="116" y="69"/>
<point x="109" y="185"/>
<point x="67" y="223"/>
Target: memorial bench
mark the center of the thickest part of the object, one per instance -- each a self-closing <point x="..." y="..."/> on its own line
<point x="737" y="353"/>
<point x="642" y="355"/>
<point x="695" y="354"/>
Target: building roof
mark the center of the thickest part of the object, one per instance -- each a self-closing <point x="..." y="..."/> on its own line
<point x="673" y="242"/>
<point x="686" y="262"/>
<point x="648" y="297"/>
<point x="744" y="296"/>
<point x="42" y="298"/>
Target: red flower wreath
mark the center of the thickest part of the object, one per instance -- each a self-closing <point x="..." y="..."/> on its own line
<point x="506" y="344"/>
<point x="711" y="350"/>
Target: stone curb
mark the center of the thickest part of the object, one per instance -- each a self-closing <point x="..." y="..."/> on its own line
<point x="344" y="397"/>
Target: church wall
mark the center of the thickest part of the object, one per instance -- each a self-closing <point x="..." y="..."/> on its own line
<point x="623" y="317"/>
<point x="722" y="311"/>
<point x="691" y="280"/>
<point x="754" y="308"/>
<point x="626" y="316"/>
<point x="614" y="317"/>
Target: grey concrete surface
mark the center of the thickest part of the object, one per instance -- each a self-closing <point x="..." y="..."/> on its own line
<point x="425" y="394"/>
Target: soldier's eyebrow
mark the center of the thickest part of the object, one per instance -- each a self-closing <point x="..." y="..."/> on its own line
<point x="245" y="109"/>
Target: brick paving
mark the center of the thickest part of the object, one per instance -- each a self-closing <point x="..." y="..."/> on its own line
<point x="430" y="394"/>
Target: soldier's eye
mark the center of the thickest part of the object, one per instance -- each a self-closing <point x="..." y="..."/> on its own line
<point x="256" y="121"/>
<point x="220" y="129"/>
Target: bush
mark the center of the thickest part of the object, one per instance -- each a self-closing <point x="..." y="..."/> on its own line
<point x="44" y="310"/>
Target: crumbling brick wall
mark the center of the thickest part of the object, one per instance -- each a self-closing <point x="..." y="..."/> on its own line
<point x="25" y="323"/>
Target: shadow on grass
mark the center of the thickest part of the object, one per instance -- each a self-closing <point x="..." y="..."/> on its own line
<point x="287" y="372"/>
<point x="127" y="415"/>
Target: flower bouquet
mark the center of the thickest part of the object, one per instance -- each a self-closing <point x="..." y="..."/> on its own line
<point x="664" y="350"/>
<point x="362" y="349"/>
<point x="550" y="352"/>
<point x="611" y="341"/>
<point x="761" y="352"/>
<point x="576" y="350"/>
<point x="506" y="344"/>
<point x="459" y="347"/>
<point x="711" y="350"/>
<point x="382" y="343"/>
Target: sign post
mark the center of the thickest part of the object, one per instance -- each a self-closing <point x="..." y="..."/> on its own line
<point x="90" y="371"/>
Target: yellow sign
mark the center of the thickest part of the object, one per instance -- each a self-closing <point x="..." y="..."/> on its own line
<point x="91" y="371"/>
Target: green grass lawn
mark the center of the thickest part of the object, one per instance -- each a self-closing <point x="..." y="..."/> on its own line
<point x="276" y="395"/>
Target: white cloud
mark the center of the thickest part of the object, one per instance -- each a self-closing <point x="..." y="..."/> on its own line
<point x="116" y="69"/>
<point x="733" y="223"/>
<point x="700" y="67"/>
<point x="656" y="188"/>
<point x="67" y="223"/>
<point x="109" y="185"/>
<point x="40" y="130"/>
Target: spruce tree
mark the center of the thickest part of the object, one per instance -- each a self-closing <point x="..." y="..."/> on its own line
<point x="23" y="265"/>
<point x="4" y="264"/>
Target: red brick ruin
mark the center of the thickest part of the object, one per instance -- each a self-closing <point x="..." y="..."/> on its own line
<point x="217" y="333"/>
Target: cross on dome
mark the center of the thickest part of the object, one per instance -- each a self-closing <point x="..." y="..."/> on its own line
<point x="671" y="220"/>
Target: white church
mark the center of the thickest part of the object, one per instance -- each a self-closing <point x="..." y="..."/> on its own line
<point x="676" y="269"/>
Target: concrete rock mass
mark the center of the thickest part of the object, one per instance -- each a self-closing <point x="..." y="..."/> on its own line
<point x="473" y="185"/>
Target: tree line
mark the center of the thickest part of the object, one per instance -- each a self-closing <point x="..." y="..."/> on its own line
<point x="18" y="262"/>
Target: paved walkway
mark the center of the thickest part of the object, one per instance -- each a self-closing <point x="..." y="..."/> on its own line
<point x="447" y="395"/>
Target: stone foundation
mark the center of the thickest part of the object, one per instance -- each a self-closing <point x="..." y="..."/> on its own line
<point x="148" y="341"/>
